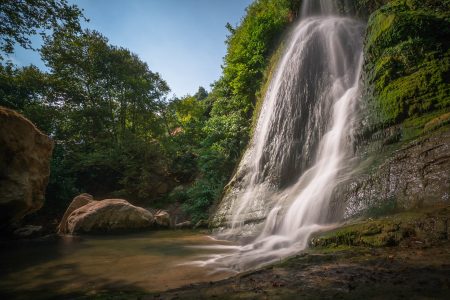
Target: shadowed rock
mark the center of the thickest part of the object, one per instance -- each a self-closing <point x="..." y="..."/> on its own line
<point x="28" y="231"/>
<point x="25" y="154"/>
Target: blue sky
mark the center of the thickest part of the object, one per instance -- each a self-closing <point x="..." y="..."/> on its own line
<point x="183" y="40"/>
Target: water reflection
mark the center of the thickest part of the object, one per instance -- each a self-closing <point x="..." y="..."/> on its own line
<point x="152" y="261"/>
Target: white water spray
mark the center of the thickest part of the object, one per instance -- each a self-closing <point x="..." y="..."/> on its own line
<point x="302" y="142"/>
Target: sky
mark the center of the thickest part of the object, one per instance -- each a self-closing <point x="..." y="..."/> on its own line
<point x="183" y="40"/>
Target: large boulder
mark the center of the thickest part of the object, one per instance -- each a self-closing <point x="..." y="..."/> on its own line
<point x="77" y="202"/>
<point x="25" y="154"/>
<point x="105" y="216"/>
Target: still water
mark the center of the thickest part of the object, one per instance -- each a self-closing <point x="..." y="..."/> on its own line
<point x="152" y="261"/>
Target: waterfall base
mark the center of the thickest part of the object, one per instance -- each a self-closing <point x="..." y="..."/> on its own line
<point x="413" y="266"/>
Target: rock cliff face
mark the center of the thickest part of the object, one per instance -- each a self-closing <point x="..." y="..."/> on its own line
<point x="415" y="175"/>
<point x="25" y="155"/>
<point x="404" y="137"/>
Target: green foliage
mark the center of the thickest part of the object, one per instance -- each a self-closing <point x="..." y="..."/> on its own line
<point x="250" y="44"/>
<point x="20" y="19"/>
<point x="201" y="94"/>
<point x="18" y="86"/>
<point x="188" y="111"/>
<point x="185" y="120"/>
<point x="113" y="88"/>
<point x="200" y="197"/>
<point x="111" y="120"/>
<point x="142" y="169"/>
<point x="103" y="108"/>
<point x="367" y="7"/>
<point x="62" y="183"/>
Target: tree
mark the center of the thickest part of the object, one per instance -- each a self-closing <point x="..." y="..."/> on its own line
<point x="187" y="117"/>
<point x="110" y="127"/>
<point x="109" y="90"/>
<point x="201" y="94"/>
<point x="20" y="19"/>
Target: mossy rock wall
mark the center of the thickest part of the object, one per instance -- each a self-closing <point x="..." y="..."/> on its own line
<point x="426" y="227"/>
<point x="407" y="62"/>
<point x="403" y="135"/>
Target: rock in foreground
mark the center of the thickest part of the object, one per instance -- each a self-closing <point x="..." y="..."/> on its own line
<point x="25" y="155"/>
<point x="85" y="215"/>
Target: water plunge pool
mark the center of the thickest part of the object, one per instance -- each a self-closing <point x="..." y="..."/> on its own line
<point x="87" y="265"/>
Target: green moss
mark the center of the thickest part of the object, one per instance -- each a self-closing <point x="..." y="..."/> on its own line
<point x="423" y="125"/>
<point x="407" y="63"/>
<point x="364" y="8"/>
<point x="379" y="24"/>
<point x="428" y="226"/>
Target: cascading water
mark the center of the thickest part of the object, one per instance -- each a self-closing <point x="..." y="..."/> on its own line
<point x="302" y="144"/>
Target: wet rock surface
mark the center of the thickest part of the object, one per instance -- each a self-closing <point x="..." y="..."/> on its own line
<point x="25" y="154"/>
<point x="342" y="275"/>
<point x="417" y="174"/>
<point x="341" y="265"/>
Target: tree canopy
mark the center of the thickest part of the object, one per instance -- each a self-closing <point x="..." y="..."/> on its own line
<point x="21" y="19"/>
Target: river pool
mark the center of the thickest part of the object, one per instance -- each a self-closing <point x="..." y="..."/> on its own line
<point x="88" y="265"/>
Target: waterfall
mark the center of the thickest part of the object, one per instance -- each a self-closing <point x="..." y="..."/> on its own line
<point x="302" y="144"/>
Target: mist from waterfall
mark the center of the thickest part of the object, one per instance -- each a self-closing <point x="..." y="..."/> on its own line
<point x="302" y="144"/>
